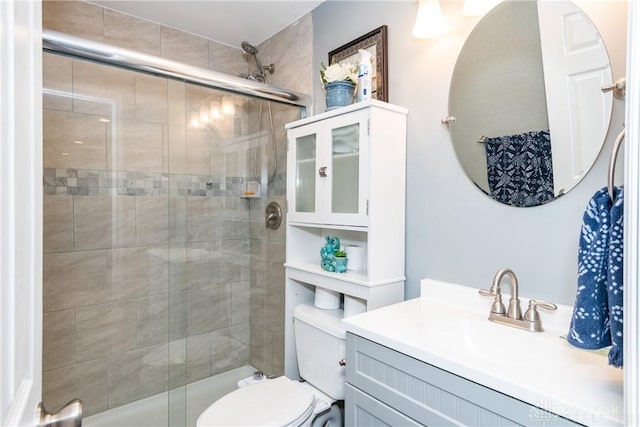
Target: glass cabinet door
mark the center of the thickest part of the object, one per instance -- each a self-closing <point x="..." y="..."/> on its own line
<point x="345" y="162"/>
<point x="305" y="185"/>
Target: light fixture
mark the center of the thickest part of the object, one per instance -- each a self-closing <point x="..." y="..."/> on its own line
<point x="204" y="115"/>
<point x="430" y="20"/>
<point x="214" y="110"/>
<point x="478" y="7"/>
<point x="228" y="108"/>
<point x="194" y="121"/>
<point x="78" y="142"/>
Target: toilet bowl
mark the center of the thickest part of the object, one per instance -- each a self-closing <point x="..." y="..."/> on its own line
<point x="278" y="402"/>
<point x="285" y="402"/>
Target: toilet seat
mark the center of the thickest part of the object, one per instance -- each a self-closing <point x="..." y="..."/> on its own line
<point x="278" y="402"/>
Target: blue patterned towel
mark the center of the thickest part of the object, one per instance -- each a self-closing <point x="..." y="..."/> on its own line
<point x="590" y="321"/>
<point x="520" y="169"/>
<point x="615" y="278"/>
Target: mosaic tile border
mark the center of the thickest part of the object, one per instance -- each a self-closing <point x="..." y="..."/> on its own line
<point x="92" y="182"/>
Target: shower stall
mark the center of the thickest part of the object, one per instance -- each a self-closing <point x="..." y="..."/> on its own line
<point x="160" y="280"/>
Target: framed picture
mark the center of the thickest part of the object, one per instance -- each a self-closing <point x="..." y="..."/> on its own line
<point x="375" y="42"/>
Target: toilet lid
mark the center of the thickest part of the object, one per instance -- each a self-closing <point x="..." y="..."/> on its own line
<point x="277" y="402"/>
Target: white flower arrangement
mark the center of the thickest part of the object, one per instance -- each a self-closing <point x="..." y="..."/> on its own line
<point x="338" y="72"/>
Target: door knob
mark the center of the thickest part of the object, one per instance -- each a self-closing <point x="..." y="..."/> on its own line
<point x="322" y="171"/>
<point x="70" y="415"/>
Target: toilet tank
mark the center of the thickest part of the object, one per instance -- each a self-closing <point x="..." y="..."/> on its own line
<point x="320" y="346"/>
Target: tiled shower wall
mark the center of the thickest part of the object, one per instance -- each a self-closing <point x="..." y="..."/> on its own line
<point x="146" y="241"/>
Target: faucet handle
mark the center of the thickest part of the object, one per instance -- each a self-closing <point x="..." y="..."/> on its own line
<point x="532" y="314"/>
<point x="492" y="291"/>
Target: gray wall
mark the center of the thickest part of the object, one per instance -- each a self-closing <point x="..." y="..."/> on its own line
<point x="454" y="232"/>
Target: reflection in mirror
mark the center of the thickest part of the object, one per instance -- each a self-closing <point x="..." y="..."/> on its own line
<point x="526" y="94"/>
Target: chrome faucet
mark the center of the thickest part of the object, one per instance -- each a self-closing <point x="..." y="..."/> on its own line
<point x="513" y="316"/>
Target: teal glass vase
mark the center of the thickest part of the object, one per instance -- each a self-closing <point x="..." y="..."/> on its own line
<point x="339" y="94"/>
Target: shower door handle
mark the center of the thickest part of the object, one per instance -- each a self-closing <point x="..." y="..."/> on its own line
<point x="70" y="415"/>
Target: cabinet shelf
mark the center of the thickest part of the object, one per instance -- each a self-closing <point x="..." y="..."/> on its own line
<point x="328" y="226"/>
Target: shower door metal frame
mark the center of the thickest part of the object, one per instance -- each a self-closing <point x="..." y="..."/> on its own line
<point x="65" y="44"/>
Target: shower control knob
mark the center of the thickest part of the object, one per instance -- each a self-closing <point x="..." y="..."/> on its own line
<point x="343" y="362"/>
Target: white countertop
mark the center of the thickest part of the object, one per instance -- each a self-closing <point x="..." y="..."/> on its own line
<point x="448" y="327"/>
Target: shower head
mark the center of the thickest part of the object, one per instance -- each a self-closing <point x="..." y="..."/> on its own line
<point x="252" y="50"/>
<point x="249" y="48"/>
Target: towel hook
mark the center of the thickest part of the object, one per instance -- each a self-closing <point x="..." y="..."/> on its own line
<point x="612" y="164"/>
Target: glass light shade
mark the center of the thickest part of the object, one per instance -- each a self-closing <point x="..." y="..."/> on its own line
<point x="430" y="20"/>
<point x="478" y="7"/>
<point x="214" y="110"/>
<point x="228" y="108"/>
<point x="194" y="120"/>
<point x="204" y="115"/>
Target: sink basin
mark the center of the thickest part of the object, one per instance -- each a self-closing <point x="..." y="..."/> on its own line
<point x="448" y="327"/>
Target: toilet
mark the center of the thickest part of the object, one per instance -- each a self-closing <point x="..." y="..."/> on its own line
<point x="320" y="347"/>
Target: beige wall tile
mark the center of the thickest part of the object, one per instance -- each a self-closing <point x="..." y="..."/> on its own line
<point x="104" y="222"/>
<point x="92" y="222"/>
<point x="185" y="48"/>
<point x="136" y="374"/>
<point x="177" y="99"/>
<point x="104" y="330"/>
<point x="131" y="33"/>
<point x="227" y="264"/>
<point x="176" y="372"/>
<point x="208" y="309"/>
<point x="198" y="357"/>
<point x="203" y="223"/>
<point x="61" y="129"/>
<point x="152" y="320"/>
<point x="57" y="224"/>
<point x="85" y="380"/>
<point x="274" y="314"/>
<point x="227" y="59"/>
<point x="198" y="264"/>
<point x="138" y="147"/>
<point x="135" y="272"/>
<point x="176" y="163"/>
<point x="58" y="339"/>
<point x="152" y="215"/>
<point x="229" y="348"/>
<point x="177" y="315"/>
<point x="197" y="151"/>
<point x="77" y="18"/>
<point x="284" y="53"/>
<point x="106" y="88"/>
<point x="305" y="41"/>
<point x="177" y="220"/>
<point x="151" y="99"/>
<point x="56" y="76"/>
<point x="74" y="279"/>
<point x="240" y="306"/>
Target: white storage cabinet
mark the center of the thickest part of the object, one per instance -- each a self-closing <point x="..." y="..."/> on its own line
<point x="346" y="178"/>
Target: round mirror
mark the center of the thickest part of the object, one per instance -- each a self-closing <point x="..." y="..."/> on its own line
<point x="530" y="115"/>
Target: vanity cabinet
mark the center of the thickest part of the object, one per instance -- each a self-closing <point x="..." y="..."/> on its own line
<point x="346" y="178"/>
<point x="386" y="387"/>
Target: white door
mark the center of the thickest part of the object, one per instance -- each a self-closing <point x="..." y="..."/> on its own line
<point x="20" y="211"/>
<point x="574" y="70"/>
